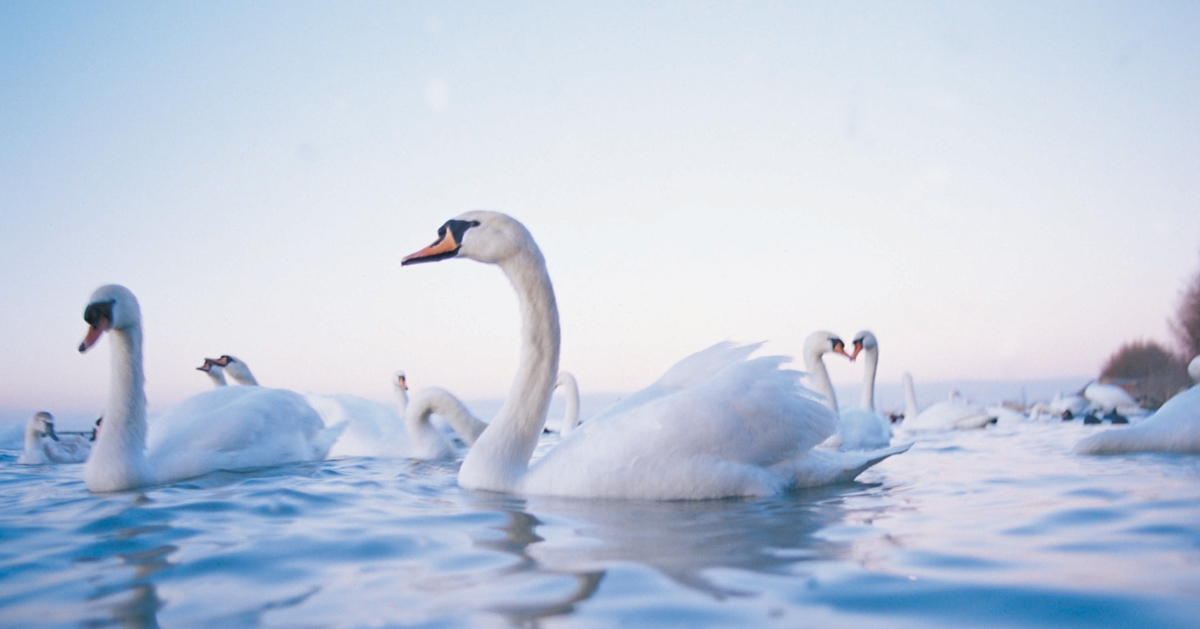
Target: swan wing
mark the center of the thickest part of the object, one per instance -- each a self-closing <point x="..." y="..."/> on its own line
<point x="719" y="439"/>
<point x="233" y="428"/>
<point x="688" y="372"/>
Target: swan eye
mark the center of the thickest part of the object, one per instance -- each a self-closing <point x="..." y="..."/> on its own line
<point x="97" y="311"/>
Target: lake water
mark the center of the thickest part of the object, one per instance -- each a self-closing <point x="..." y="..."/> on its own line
<point x="1001" y="527"/>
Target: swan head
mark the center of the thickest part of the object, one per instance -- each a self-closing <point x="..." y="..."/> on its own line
<point x="863" y="340"/>
<point x="489" y="237"/>
<point x="399" y="381"/>
<point x="822" y="342"/>
<point x="234" y="367"/>
<point x="111" y="307"/>
<point x="40" y="425"/>
<point x="207" y="366"/>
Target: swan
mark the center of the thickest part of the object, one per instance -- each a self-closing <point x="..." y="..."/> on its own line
<point x="952" y="414"/>
<point x="43" y="445"/>
<point x="375" y="430"/>
<point x="238" y="370"/>
<point x="1175" y="427"/>
<point x="214" y="371"/>
<point x="863" y="428"/>
<point x="747" y="430"/>
<point x="228" y="428"/>
<point x="858" y="428"/>
<point x="571" y="413"/>
<point x="1110" y="397"/>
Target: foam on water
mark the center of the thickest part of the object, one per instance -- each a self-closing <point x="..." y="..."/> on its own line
<point x="999" y="527"/>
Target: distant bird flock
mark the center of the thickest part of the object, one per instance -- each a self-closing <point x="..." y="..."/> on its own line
<point x="719" y="423"/>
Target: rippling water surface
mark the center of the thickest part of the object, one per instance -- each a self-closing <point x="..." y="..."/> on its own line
<point x="1001" y="527"/>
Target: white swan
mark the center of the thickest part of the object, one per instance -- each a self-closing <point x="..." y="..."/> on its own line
<point x="862" y="428"/>
<point x="223" y="429"/>
<point x="238" y="370"/>
<point x="570" y="418"/>
<point x="952" y="414"/>
<point x="214" y="372"/>
<point x="375" y="430"/>
<point x="44" y="446"/>
<point x="858" y="428"/>
<point x="1175" y="427"/>
<point x="1110" y="397"/>
<point x="747" y="430"/>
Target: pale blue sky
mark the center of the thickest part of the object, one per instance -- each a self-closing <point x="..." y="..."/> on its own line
<point x="998" y="190"/>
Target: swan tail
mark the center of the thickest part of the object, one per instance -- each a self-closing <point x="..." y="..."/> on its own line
<point x="324" y="440"/>
<point x="827" y="467"/>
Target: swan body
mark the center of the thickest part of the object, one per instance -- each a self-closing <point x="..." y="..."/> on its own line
<point x="952" y="414"/>
<point x="1175" y="427"/>
<point x="571" y="413"/>
<point x="226" y="428"/>
<point x="1109" y="397"/>
<point x="44" y="446"/>
<point x="747" y="429"/>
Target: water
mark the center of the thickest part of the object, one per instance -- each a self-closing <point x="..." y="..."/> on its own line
<point x="995" y="528"/>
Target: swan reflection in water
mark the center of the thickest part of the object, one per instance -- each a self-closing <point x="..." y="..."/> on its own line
<point x="680" y="540"/>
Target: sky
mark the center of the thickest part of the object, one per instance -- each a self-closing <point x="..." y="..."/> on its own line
<point x="998" y="190"/>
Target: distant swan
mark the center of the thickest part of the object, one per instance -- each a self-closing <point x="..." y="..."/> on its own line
<point x="228" y="428"/>
<point x="1175" y="427"/>
<point x="374" y="430"/>
<point x="570" y="417"/>
<point x="214" y="372"/>
<point x="953" y="414"/>
<point x="862" y="428"/>
<point x="1110" y="397"/>
<point x="746" y="430"/>
<point x="858" y="428"/>
<point x="44" y="446"/>
<point x="238" y="370"/>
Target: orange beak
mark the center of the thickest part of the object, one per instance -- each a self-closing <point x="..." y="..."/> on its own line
<point x="93" y="334"/>
<point x="443" y="248"/>
<point x="403" y="383"/>
<point x="841" y="349"/>
<point x="857" y="349"/>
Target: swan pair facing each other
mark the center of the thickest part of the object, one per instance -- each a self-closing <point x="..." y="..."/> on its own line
<point x="1174" y="427"/>
<point x="227" y="428"/>
<point x="44" y="446"/>
<point x="717" y="424"/>
<point x="858" y="428"/>
<point x="215" y="369"/>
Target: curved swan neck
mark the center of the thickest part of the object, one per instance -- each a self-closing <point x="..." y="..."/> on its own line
<point x="571" y="413"/>
<point x="435" y="400"/>
<point x="118" y="458"/>
<point x="501" y="456"/>
<point x="870" y="364"/>
<point x="815" y="364"/>
<point x="910" y="398"/>
<point x="217" y="375"/>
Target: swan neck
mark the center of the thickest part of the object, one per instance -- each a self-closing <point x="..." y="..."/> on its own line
<point x="217" y="377"/>
<point x="815" y="364"/>
<point x="910" y="398"/>
<point x="118" y="458"/>
<point x="501" y="456"/>
<point x="571" y="414"/>
<point x="870" y="364"/>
